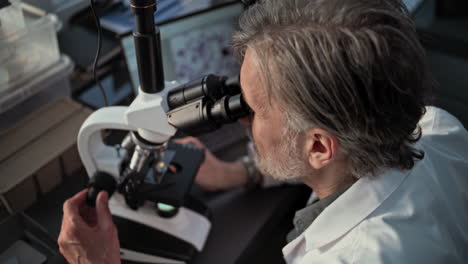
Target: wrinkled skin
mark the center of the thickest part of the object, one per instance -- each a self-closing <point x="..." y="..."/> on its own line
<point x="88" y="235"/>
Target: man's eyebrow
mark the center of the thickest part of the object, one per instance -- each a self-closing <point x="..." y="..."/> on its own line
<point x="242" y="91"/>
<point x="259" y="107"/>
<point x="243" y="96"/>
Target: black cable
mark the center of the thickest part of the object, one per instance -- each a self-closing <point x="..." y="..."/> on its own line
<point x="98" y="52"/>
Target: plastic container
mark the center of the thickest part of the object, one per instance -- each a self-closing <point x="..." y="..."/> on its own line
<point x="27" y="51"/>
<point x="37" y="90"/>
<point x="11" y="18"/>
<point x="64" y="9"/>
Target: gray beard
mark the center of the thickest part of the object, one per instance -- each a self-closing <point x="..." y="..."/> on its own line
<point x="284" y="162"/>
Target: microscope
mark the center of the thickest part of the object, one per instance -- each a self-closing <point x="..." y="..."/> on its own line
<point x="150" y="176"/>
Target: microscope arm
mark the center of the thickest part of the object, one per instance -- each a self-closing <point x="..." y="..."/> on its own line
<point x="146" y="115"/>
<point x="96" y="155"/>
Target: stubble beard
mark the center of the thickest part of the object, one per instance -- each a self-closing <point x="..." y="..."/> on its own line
<point x="285" y="161"/>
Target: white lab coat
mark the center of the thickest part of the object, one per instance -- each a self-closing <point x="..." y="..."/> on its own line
<point x="416" y="216"/>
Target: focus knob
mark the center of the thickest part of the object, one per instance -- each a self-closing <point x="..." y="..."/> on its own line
<point x="101" y="181"/>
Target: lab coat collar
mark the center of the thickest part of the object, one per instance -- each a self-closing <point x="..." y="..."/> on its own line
<point x="353" y="206"/>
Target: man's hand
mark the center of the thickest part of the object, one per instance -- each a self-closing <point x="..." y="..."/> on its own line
<point x="88" y="235"/>
<point x="215" y="174"/>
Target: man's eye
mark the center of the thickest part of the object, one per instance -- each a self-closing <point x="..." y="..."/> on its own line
<point x="249" y="115"/>
<point x="251" y="112"/>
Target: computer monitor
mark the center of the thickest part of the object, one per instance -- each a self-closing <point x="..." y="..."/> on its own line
<point x="412" y="5"/>
<point x="193" y="45"/>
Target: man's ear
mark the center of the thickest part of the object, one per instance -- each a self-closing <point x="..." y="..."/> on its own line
<point x="321" y="147"/>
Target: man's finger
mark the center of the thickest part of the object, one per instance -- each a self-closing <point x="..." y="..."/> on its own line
<point x="79" y="198"/>
<point x="193" y="140"/>
<point x="72" y="205"/>
<point x="104" y="217"/>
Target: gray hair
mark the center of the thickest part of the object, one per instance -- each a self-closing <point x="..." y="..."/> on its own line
<point x="352" y="67"/>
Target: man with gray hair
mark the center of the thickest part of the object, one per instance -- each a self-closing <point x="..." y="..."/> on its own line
<point x="337" y="90"/>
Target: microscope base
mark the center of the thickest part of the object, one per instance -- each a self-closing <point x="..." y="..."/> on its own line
<point x="138" y="257"/>
<point x="146" y="237"/>
<point x="141" y="243"/>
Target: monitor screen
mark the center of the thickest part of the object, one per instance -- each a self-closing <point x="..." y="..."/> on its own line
<point x="412" y="5"/>
<point x="194" y="45"/>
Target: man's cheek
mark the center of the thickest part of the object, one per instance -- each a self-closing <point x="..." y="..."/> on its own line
<point x="257" y="141"/>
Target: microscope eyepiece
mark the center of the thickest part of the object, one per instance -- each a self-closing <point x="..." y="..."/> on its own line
<point x="228" y="109"/>
<point x="203" y="115"/>
<point x="211" y="86"/>
<point x="205" y="104"/>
